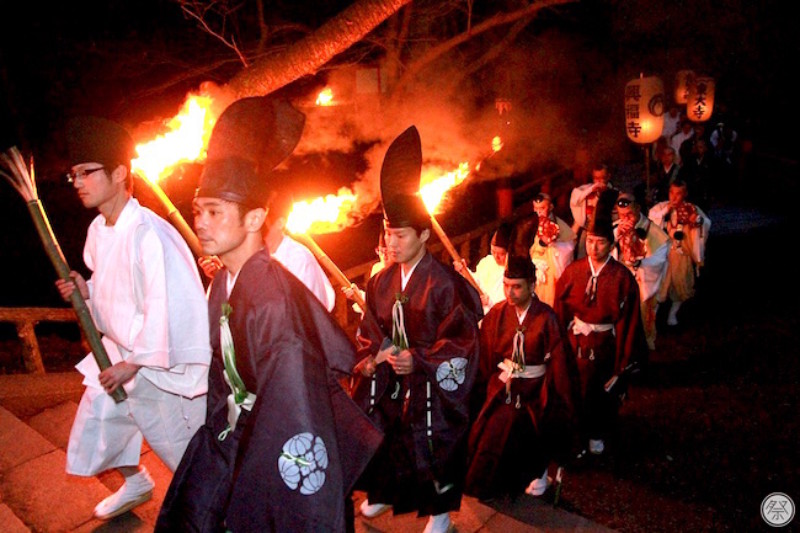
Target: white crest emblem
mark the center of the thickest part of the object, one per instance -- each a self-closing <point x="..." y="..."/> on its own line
<point x="451" y="374"/>
<point x="303" y="462"/>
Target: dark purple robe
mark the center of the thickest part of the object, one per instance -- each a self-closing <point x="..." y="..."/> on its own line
<point x="519" y="430"/>
<point x="290" y="462"/>
<point x="412" y="469"/>
<point x="600" y="355"/>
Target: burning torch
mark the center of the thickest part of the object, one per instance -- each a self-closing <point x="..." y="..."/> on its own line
<point x="186" y="141"/>
<point x="25" y="184"/>
<point x="432" y="192"/>
<point x="325" y="213"/>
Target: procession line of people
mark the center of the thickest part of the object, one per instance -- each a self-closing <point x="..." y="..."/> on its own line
<point x="241" y="391"/>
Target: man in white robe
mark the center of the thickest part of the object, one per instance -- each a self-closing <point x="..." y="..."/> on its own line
<point x="147" y="300"/>
<point x="489" y="270"/>
<point x="295" y="256"/>
<point x="688" y="227"/>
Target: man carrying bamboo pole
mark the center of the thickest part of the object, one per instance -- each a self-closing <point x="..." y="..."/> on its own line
<point x="147" y="299"/>
<point x="416" y="386"/>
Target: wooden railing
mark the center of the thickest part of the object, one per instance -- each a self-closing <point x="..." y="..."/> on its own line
<point x="25" y="320"/>
<point x="471" y="246"/>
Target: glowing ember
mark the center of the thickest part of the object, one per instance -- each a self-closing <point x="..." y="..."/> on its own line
<point x="322" y="215"/>
<point x="325" y="97"/>
<point x="186" y="140"/>
<point x="497" y="144"/>
<point x="435" y="184"/>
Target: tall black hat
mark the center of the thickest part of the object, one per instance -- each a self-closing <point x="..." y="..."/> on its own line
<point x="252" y="137"/>
<point x="400" y="174"/>
<point x="502" y="237"/>
<point x="99" y="140"/>
<point x="601" y="221"/>
<point x="519" y="267"/>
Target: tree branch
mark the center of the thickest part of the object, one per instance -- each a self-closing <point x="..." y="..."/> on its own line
<point x="313" y="51"/>
<point x="498" y="20"/>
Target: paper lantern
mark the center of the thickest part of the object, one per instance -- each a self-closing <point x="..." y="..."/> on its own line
<point x="644" y="109"/>
<point x="683" y="80"/>
<point x="700" y="103"/>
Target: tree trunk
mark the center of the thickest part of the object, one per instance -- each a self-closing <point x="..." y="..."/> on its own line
<point x="308" y="55"/>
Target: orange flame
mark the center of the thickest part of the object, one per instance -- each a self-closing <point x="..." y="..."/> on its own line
<point x="435" y="183"/>
<point x="186" y="140"/>
<point x="497" y="144"/>
<point x="323" y="214"/>
<point x="325" y="97"/>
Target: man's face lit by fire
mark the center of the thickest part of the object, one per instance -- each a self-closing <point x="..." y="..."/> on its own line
<point x="677" y="194"/>
<point x="597" y="247"/>
<point x="404" y="245"/>
<point x="219" y="225"/>
<point x="518" y="292"/>
<point x="499" y="254"/>
<point x="543" y="208"/>
<point x="629" y="212"/>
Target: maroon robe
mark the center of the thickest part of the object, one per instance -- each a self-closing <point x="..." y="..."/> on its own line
<point x="517" y="432"/>
<point x="600" y="355"/>
<point x="441" y="318"/>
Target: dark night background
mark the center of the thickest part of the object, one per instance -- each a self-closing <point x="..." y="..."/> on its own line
<point x="134" y="62"/>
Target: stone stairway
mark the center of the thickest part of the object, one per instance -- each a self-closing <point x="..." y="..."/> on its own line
<point x="36" y="494"/>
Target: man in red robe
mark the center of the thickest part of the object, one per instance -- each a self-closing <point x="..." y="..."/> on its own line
<point x="529" y="392"/>
<point x="597" y="300"/>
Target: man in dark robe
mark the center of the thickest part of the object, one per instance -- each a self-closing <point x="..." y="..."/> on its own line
<point x="283" y="443"/>
<point x="416" y="387"/>
<point x="529" y="394"/>
<point x="597" y="300"/>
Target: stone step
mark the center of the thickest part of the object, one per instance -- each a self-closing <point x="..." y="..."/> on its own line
<point x="37" y="493"/>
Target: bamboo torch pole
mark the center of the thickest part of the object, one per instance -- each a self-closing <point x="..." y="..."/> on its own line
<point x="176" y="218"/>
<point x="25" y="184"/>
<point x="454" y="254"/>
<point x="329" y="265"/>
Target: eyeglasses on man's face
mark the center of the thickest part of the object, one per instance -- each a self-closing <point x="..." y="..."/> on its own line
<point x="74" y="175"/>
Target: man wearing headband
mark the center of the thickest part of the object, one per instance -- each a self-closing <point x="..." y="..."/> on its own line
<point x="597" y="300"/>
<point x="282" y="443"/>
<point x="582" y="203"/>
<point x="417" y="385"/>
<point x="147" y="300"/>
<point x="688" y="227"/>
<point x="552" y="249"/>
<point x="523" y="362"/>
<point x="642" y="247"/>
